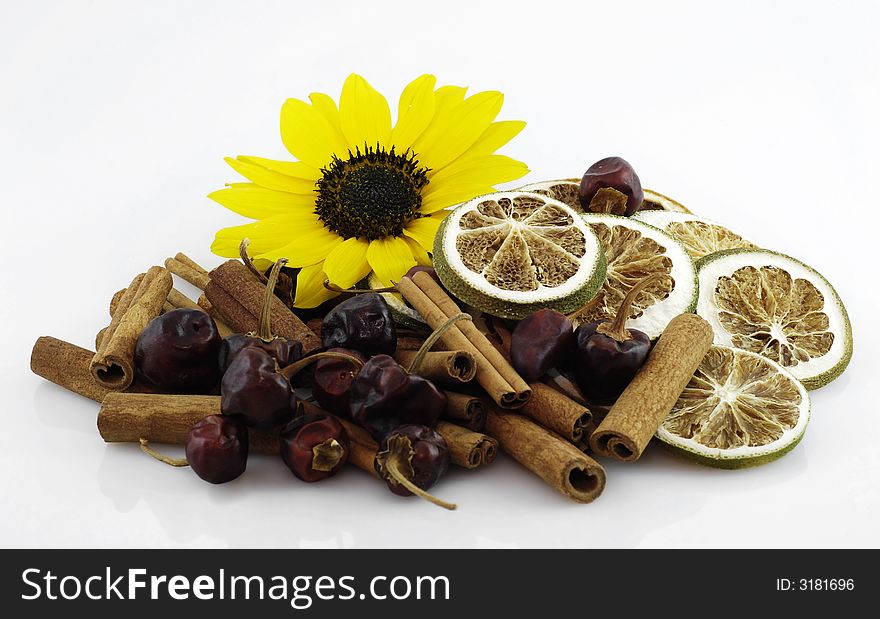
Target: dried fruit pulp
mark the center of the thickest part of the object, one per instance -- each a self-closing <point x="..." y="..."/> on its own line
<point x="776" y="306"/>
<point x="699" y="236"/>
<point x="511" y="253"/>
<point x="634" y="250"/>
<point x="658" y="202"/>
<point x="740" y="409"/>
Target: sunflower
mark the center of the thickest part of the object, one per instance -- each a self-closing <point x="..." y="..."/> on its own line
<point x="364" y="195"/>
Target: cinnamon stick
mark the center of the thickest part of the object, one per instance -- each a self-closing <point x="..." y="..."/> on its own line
<point x="467" y="449"/>
<point x="644" y="404"/>
<point x="66" y="365"/>
<point x="557" y="412"/>
<point x="113" y="364"/>
<point x="224" y="329"/>
<point x="188" y="270"/>
<point x="559" y="463"/>
<point x="488" y="376"/>
<point x="160" y="418"/>
<point x="438" y="296"/>
<point x="238" y="296"/>
<point x="465" y="410"/>
<point x="445" y="366"/>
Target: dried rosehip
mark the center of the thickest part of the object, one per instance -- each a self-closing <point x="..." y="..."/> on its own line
<point x="541" y="341"/>
<point x="384" y="396"/>
<point x="177" y="352"/>
<point x="333" y="379"/>
<point x="284" y="351"/>
<point x="608" y="354"/>
<point x="362" y="323"/>
<point x="217" y="448"/>
<point x="314" y="447"/>
<point x="412" y="459"/>
<point x="253" y="389"/>
<point x="611" y="186"/>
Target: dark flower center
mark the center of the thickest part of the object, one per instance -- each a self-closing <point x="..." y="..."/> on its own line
<point x="371" y="195"/>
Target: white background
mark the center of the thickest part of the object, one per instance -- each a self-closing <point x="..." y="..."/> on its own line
<point x="114" y="118"/>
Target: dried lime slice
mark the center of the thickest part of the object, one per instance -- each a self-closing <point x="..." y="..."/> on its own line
<point x="740" y="409"/>
<point x="565" y="190"/>
<point x="401" y="312"/>
<point x="699" y="236"/>
<point x="511" y="253"/>
<point x="658" y="202"/>
<point x="776" y="306"/>
<point x="633" y="251"/>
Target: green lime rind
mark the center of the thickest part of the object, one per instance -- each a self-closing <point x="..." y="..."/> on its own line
<point x="689" y="449"/>
<point x="402" y="314"/>
<point x="684" y="270"/>
<point x="810" y="381"/>
<point x="506" y="308"/>
<point x="730" y="464"/>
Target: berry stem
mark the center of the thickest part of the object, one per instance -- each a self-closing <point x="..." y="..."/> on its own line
<point x="177" y="462"/>
<point x="436" y="334"/>
<point x="295" y="368"/>
<point x="398" y="458"/>
<point x="266" y="312"/>
<point x="617" y="329"/>
<point x="248" y="261"/>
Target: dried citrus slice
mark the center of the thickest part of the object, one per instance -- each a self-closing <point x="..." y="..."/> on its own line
<point x="565" y="190"/>
<point x="776" y="306"/>
<point x="658" y="202"/>
<point x="513" y="252"/>
<point x="699" y="236"/>
<point x="401" y="312"/>
<point x="740" y="409"/>
<point x="633" y="251"/>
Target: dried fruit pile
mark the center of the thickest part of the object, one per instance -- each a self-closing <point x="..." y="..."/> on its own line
<point x="558" y="325"/>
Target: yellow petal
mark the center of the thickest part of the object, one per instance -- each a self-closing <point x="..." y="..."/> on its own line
<point x="310" y="290"/>
<point x="308" y="135"/>
<point x="297" y="169"/>
<point x="305" y="247"/>
<point x="452" y="133"/>
<point x="257" y="202"/>
<point x="327" y="107"/>
<point x="446" y="195"/>
<point x="390" y="259"/>
<point x="494" y="137"/>
<point x="486" y="170"/>
<point x="423" y="230"/>
<point x="266" y="234"/>
<point x="347" y="264"/>
<point x="421" y="256"/>
<point x="364" y="114"/>
<point x="269" y="178"/>
<point x="414" y="112"/>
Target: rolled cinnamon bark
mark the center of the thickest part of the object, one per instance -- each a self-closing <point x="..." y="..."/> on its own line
<point x="66" y="365"/>
<point x="188" y="270"/>
<point x="557" y="412"/>
<point x="438" y="296"/>
<point x="232" y="281"/>
<point x="644" y="404"/>
<point x="467" y="449"/>
<point x="465" y="410"/>
<point x="445" y="366"/>
<point x="488" y="376"/>
<point x="224" y="329"/>
<point x="160" y="418"/>
<point x="550" y="457"/>
<point x="113" y="363"/>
